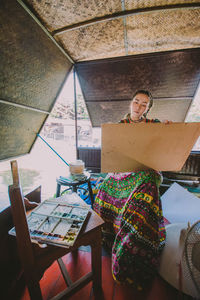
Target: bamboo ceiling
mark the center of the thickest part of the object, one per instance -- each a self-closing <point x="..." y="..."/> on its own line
<point x="97" y="29"/>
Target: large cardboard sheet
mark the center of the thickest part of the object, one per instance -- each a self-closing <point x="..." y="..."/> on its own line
<point x="141" y="146"/>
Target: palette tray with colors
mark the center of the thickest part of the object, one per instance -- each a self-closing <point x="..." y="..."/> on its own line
<point x="56" y="222"/>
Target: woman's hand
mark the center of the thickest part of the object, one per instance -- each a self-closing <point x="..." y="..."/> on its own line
<point x="167" y="122"/>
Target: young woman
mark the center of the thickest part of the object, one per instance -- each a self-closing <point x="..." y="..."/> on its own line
<point x="130" y="205"/>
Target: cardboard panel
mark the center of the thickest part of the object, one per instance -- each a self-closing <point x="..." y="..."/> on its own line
<point x="141" y="146"/>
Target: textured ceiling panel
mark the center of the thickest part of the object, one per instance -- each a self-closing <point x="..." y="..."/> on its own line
<point x="56" y="14"/>
<point x="169" y="75"/>
<point x="32" y="67"/>
<point x="173" y="110"/>
<point x="166" y="74"/>
<point x="32" y="72"/>
<point x="150" y="26"/>
<point x="113" y="111"/>
<point x="162" y="31"/>
<point x="104" y="112"/>
<point x="93" y="42"/>
<point x="18" y="128"/>
<point x="133" y="4"/>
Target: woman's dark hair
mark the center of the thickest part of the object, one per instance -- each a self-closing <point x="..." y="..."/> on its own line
<point x="145" y="92"/>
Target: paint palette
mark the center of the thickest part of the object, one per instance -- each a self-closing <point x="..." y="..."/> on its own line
<point x="56" y="222"/>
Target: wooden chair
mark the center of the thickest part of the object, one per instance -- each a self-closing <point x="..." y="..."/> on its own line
<point x="35" y="260"/>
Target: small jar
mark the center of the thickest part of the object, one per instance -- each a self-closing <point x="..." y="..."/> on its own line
<point x="76" y="167"/>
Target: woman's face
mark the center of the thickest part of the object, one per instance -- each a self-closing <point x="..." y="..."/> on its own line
<point x="139" y="106"/>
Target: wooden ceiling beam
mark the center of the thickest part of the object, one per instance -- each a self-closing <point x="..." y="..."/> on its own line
<point x="125" y="28"/>
<point x="123" y="14"/>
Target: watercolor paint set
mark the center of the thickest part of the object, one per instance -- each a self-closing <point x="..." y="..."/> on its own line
<point x="56" y="222"/>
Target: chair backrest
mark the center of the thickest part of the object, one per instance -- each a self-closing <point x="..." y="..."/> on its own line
<point x="15" y="173"/>
<point x="19" y="219"/>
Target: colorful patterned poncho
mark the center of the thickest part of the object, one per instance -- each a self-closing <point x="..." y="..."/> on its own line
<point x="130" y="204"/>
<point x="128" y="119"/>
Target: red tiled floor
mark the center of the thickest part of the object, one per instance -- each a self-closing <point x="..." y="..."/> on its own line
<point x="123" y="292"/>
<point x="49" y="280"/>
<point x="79" y="264"/>
<point x="47" y="283"/>
<point x="107" y="280"/>
<point x="25" y="295"/>
<point x="161" y="290"/>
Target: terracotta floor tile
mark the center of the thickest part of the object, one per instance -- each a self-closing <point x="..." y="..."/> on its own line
<point x="47" y="282"/>
<point x="123" y="292"/>
<point x="107" y="280"/>
<point x="79" y="263"/>
<point x="25" y="295"/>
<point x="161" y="290"/>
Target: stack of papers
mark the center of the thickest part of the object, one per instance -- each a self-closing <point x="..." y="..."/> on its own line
<point x="179" y="205"/>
